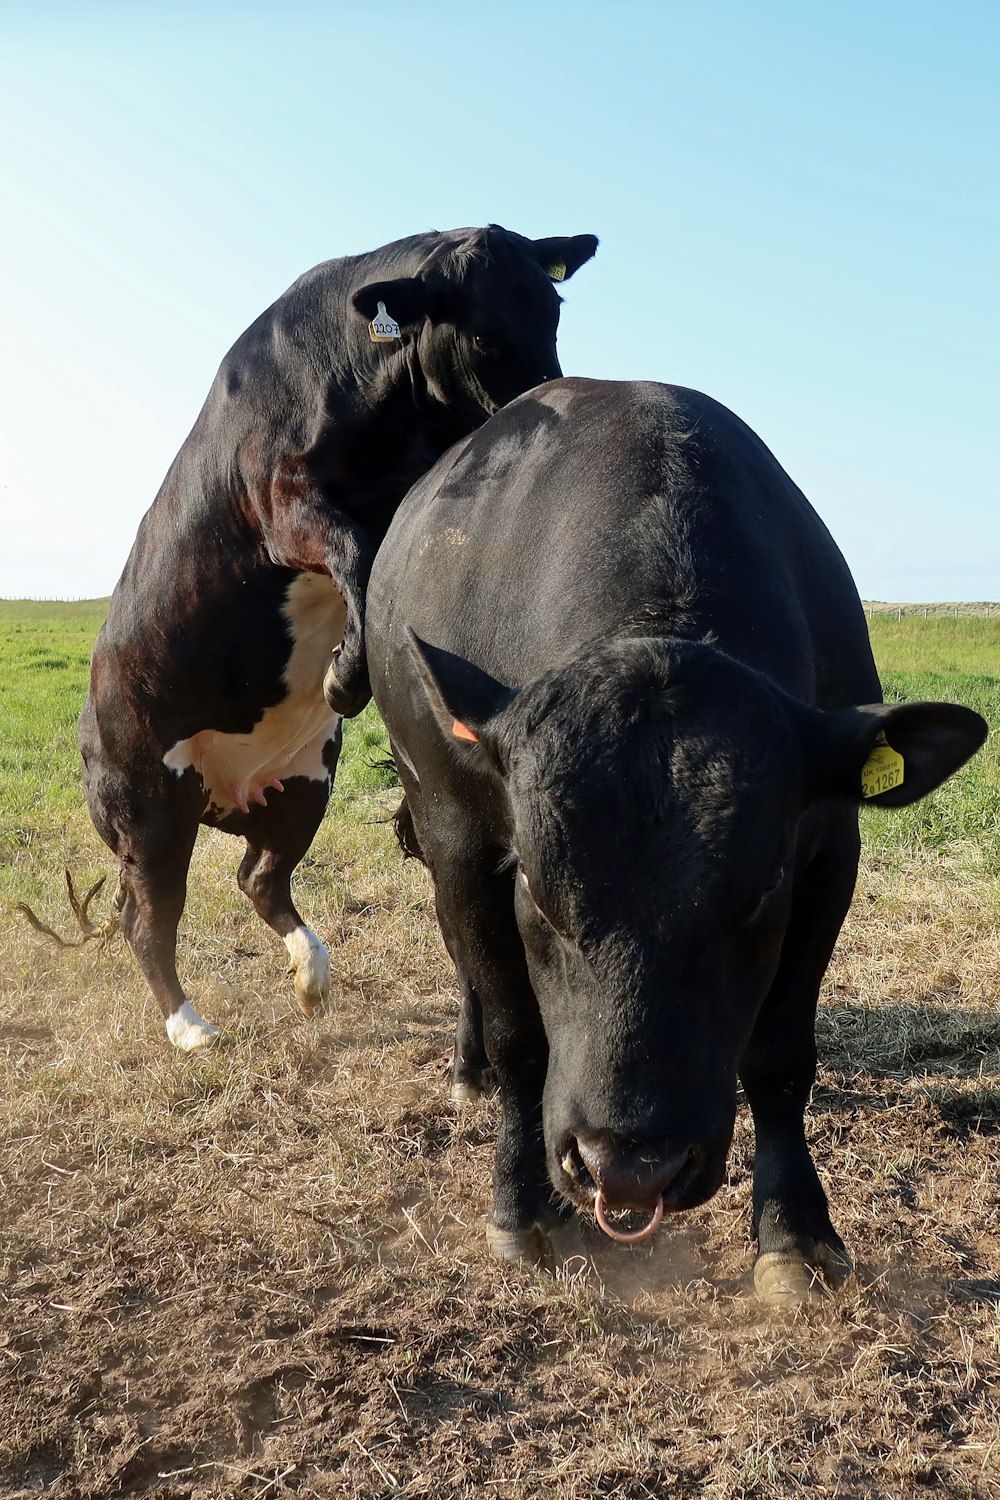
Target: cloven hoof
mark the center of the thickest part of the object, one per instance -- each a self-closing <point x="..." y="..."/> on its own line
<point x="521" y="1247"/>
<point x="474" y="1087"/>
<point x="309" y="1000"/>
<point x="465" y="1095"/>
<point x="789" y="1278"/>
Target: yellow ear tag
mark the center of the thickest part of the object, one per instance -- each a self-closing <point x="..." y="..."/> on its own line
<point x="557" y="272"/>
<point x="883" y="769"/>
<point x="382" y="329"/>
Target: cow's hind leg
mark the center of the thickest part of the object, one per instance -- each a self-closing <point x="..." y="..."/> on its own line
<point x="155" y="891"/>
<point x="799" y="1253"/>
<point x="154" y="879"/>
<point x="150" y="823"/>
<point x="277" y="836"/>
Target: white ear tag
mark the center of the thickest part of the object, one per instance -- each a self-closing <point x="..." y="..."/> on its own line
<point x="382" y="329"/>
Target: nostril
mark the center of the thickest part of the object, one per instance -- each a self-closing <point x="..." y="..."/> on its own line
<point x="634" y="1174"/>
<point x="575" y="1167"/>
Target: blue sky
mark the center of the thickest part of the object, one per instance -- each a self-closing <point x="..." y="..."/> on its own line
<point x="797" y="207"/>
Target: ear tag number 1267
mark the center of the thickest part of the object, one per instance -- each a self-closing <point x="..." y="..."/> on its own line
<point x="883" y="770"/>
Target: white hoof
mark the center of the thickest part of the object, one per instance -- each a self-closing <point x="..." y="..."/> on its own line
<point x="188" y="1031"/>
<point x="309" y="961"/>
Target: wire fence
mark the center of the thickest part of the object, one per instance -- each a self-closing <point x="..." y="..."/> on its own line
<point x="982" y="611"/>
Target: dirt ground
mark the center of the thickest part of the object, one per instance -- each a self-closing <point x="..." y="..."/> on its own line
<point x="262" y="1273"/>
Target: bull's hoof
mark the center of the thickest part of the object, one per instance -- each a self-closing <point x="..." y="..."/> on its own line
<point x="309" y="961"/>
<point x="789" y="1278"/>
<point x="465" y="1095"/>
<point x="521" y="1247"/>
<point x="470" y="1087"/>
<point x="347" y="690"/>
<point x="187" y="1030"/>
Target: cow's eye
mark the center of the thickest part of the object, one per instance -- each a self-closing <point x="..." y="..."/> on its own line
<point x="484" y="344"/>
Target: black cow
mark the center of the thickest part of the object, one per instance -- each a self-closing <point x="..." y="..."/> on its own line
<point x="250" y="567"/>
<point x="629" y="689"/>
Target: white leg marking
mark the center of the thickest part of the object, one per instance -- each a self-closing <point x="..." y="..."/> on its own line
<point x="310" y="963"/>
<point x="188" y="1031"/>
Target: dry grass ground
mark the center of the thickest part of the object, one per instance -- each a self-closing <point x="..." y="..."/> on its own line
<point x="262" y="1273"/>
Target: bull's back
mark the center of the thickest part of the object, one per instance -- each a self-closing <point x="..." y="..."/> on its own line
<point x="588" y="509"/>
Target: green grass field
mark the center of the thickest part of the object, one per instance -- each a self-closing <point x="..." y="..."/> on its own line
<point x="958" y="661"/>
<point x="45" y="652"/>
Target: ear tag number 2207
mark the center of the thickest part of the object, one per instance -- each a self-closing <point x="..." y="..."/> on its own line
<point x="382" y="329"/>
<point x="883" y="769"/>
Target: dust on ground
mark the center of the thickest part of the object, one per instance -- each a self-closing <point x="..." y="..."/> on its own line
<point x="262" y="1273"/>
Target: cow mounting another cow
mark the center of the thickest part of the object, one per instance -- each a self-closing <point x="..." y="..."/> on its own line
<point x="244" y="591"/>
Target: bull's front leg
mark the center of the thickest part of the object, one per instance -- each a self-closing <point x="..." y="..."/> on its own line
<point x="346" y="687"/>
<point x="475" y="907"/>
<point x="303" y="530"/>
<point x="800" y="1256"/>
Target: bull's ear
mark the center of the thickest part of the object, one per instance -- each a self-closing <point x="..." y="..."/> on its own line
<point x="407" y="300"/>
<point x="463" y="697"/>
<point x="561" y="256"/>
<point x="889" y="755"/>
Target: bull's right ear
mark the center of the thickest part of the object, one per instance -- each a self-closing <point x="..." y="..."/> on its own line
<point x="407" y="300"/>
<point x="462" y="697"/>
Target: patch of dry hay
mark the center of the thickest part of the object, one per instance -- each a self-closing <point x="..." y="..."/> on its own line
<point x="262" y="1272"/>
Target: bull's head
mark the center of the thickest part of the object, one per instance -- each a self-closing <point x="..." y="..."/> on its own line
<point x="479" y="322"/>
<point x="664" y="805"/>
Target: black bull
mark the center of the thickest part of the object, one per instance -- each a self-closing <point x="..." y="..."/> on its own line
<point x="206" y="699"/>
<point x="628" y="685"/>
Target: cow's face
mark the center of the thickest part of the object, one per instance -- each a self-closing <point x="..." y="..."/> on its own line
<point x="660" y="801"/>
<point x="479" y="324"/>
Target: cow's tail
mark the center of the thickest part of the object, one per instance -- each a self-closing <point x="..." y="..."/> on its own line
<point x="406" y="834"/>
<point x="103" y="931"/>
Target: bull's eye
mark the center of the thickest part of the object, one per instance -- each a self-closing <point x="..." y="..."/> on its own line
<point x="483" y="344"/>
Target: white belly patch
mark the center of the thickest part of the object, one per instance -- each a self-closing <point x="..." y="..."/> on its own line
<point x="238" y="769"/>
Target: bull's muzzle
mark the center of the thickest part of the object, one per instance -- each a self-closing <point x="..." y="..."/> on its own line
<point x="617" y="1176"/>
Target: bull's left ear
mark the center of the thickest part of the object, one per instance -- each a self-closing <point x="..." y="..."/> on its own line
<point x="407" y="300"/>
<point x="462" y="696"/>
<point x="560" y="257"/>
<point x="889" y="755"/>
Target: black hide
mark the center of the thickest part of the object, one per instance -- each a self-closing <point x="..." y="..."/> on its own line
<point x="627" y="680"/>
